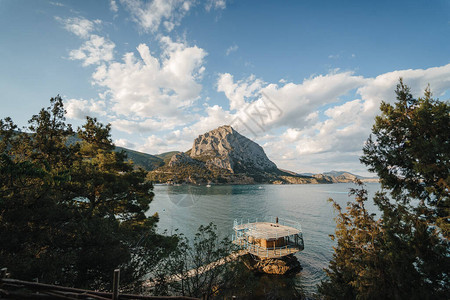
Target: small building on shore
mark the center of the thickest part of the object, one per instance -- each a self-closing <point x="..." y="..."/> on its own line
<point x="271" y="239"/>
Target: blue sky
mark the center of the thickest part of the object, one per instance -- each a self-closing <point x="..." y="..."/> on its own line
<point x="302" y="78"/>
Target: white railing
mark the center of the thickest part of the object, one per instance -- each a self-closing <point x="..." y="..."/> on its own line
<point x="266" y="252"/>
<point x="269" y="219"/>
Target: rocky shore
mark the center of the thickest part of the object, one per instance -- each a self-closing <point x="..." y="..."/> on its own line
<point x="276" y="266"/>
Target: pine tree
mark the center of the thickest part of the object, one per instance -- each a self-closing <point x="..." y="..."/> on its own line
<point x="405" y="253"/>
<point x="72" y="209"/>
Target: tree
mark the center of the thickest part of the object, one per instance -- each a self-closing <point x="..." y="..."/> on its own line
<point x="71" y="208"/>
<point x="405" y="253"/>
<point x="209" y="257"/>
<point x="411" y="152"/>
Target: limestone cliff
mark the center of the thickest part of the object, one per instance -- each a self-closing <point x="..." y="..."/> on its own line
<point x="182" y="158"/>
<point x="225" y="148"/>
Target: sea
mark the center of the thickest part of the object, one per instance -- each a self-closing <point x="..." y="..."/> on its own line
<point x="184" y="208"/>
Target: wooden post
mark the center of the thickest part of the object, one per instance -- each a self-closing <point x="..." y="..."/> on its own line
<point x="115" y="295"/>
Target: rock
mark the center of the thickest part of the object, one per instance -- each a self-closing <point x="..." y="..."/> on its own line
<point x="277" y="266"/>
<point x="183" y="159"/>
<point x="227" y="149"/>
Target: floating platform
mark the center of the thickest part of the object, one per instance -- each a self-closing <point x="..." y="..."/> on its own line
<point x="267" y="239"/>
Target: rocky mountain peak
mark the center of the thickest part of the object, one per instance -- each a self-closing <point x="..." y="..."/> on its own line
<point x="182" y="159"/>
<point x="225" y="148"/>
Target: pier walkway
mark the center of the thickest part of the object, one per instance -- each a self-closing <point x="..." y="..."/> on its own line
<point x="194" y="272"/>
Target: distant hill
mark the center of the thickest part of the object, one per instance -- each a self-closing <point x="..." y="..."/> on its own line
<point x="341" y="177"/>
<point x="146" y="161"/>
<point x="166" y="156"/>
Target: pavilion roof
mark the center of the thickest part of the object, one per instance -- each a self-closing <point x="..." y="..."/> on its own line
<point x="266" y="230"/>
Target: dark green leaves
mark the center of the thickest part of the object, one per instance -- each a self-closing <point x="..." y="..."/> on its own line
<point x="405" y="254"/>
<point x="72" y="212"/>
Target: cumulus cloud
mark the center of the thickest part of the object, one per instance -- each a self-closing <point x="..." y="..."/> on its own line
<point x="113" y="6"/>
<point x="56" y="4"/>
<point x="146" y="86"/>
<point x="80" y="108"/>
<point x="295" y="102"/>
<point x="81" y="27"/>
<point x="215" y="4"/>
<point x="95" y="50"/>
<point x="214" y="117"/>
<point x="156" y="144"/>
<point x="124" y="143"/>
<point x="231" y="49"/>
<point x="321" y="130"/>
<point x="149" y="15"/>
<point x="145" y="126"/>
<point x="181" y="139"/>
<point x="238" y="92"/>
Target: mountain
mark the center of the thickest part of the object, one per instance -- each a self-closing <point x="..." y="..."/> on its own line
<point x="166" y="156"/>
<point x="146" y="161"/>
<point x="343" y="176"/>
<point x="340" y="177"/>
<point x="223" y="155"/>
<point x="225" y="148"/>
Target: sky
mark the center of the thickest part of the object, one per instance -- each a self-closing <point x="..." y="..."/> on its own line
<point x="304" y="79"/>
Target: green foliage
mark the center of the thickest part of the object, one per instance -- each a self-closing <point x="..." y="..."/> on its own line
<point x="70" y="213"/>
<point x="411" y="152"/>
<point x="166" y="156"/>
<point x="146" y="161"/>
<point x="404" y="254"/>
<point x="203" y="255"/>
<point x="394" y="257"/>
<point x="214" y="278"/>
<point x="192" y="173"/>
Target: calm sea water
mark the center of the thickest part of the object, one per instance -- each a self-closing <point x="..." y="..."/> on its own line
<point x="187" y="207"/>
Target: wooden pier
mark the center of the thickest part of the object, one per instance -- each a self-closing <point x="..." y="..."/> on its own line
<point x="198" y="271"/>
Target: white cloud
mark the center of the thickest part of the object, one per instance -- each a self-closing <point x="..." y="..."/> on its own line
<point x="382" y="87"/>
<point x="182" y="139"/>
<point x="80" y="108"/>
<point x="81" y="27"/>
<point x="56" y="4"/>
<point x="295" y="102"/>
<point x="124" y="143"/>
<point x="238" y="92"/>
<point x="155" y="144"/>
<point x="215" y="116"/>
<point x="321" y="131"/>
<point x="96" y="50"/>
<point x="149" y="15"/>
<point x="146" y="126"/>
<point x="231" y="49"/>
<point x="113" y="6"/>
<point x="215" y="4"/>
<point x="150" y="87"/>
